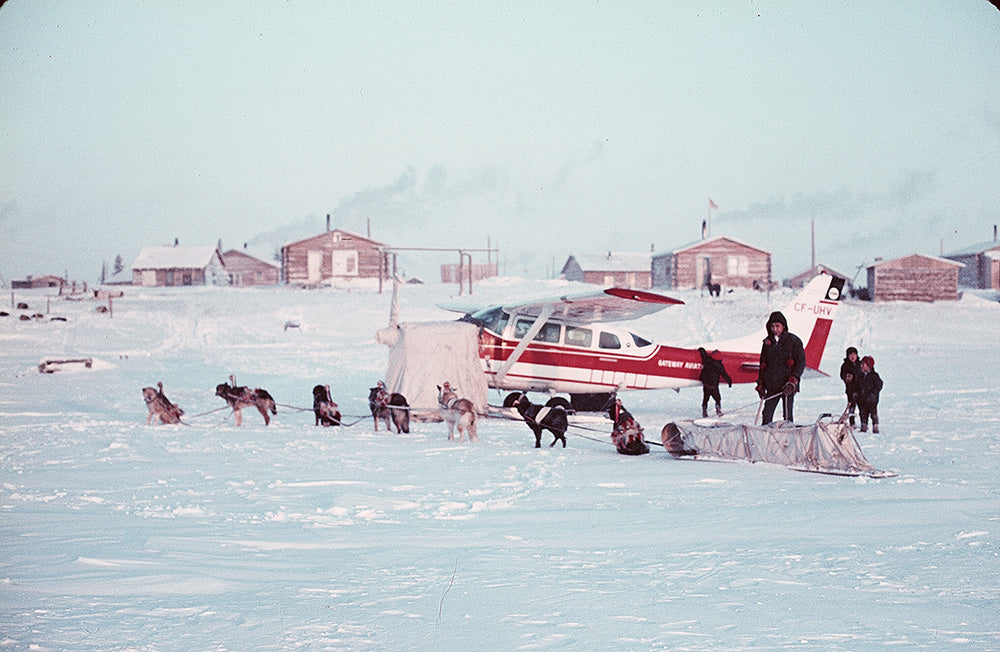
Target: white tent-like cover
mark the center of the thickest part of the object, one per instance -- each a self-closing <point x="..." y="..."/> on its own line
<point x="821" y="447"/>
<point x="425" y="355"/>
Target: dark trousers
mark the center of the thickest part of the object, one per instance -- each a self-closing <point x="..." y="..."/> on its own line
<point x="851" y="405"/>
<point x="771" y="405"/>
<point x="708" y="392"/>
<point x="868" y="411"/>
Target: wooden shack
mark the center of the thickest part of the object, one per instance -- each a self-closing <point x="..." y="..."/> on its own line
<point x="614" y="268"/>
<point x="453" y="272"/>
<point x="45" y="281"/>
<point x="914" y="278"/>
<point x="246" y="269"/>
<point x="800" y="280"/>
<point x="722" y="260"/>
<point x="980" y="262"/>
<point x="168" y="266"/>
<point x="335" y="254"/>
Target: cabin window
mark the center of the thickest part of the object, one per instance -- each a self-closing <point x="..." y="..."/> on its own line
<point x="738" y="266"/>
<point x="493" y="320"/>
<point x="640" y="341"/>
<point x="576" y="336"/>
<point x="548" y="333"/>
<point x="609" y="341"/>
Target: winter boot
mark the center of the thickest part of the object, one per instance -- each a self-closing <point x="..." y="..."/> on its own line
<point x="875" y="427"/>
<point x="718" y="410"/>
<point x="704" y="412"/>
<point x="864" y="426"/>
<point x="852" y="420"/>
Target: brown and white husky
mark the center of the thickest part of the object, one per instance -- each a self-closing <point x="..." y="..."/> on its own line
<point x="457" y="412"/>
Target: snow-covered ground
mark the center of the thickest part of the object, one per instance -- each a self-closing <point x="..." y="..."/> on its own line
<point x="115" y="535"/>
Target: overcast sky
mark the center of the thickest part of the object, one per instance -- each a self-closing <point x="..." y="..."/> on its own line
<point x="544" y="128"/>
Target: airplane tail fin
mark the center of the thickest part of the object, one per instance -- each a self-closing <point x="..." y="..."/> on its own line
<point x="810" y="316"/>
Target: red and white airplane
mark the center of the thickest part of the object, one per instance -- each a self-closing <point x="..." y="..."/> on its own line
<point x="567" y="345"/>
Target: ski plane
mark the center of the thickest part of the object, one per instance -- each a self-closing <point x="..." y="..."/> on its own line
<point x="570" y="344"/>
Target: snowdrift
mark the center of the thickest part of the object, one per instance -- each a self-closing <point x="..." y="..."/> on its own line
<point x="821" y="447"/>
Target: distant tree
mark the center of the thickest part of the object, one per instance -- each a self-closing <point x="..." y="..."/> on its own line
<point x="104" y="272"/>
<point x="119" y="264"/>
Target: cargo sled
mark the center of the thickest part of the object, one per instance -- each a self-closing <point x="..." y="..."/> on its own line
<point x="825" y="446"/>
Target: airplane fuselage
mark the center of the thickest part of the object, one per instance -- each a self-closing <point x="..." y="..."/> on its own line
<point x="592" y="359"/>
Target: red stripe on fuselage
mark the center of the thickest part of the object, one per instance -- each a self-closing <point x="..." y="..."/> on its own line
<point x="662" y="361"/>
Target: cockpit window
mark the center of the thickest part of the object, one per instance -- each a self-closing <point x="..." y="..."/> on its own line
<point x="494" y="319"/>
<point x="548" y="333"/>
<point x="609" y="341"/>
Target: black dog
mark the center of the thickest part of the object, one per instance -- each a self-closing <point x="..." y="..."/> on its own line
<point x="324" y="408"/>
<point x="627" y="433"/>
<point x="539" y="417"/>
<point x="714" y="289"/>
<point x="385" y="406"/>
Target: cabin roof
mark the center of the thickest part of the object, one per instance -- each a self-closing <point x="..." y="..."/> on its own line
<point x="701" y="243"/>
<point x="613" y="261"/>
<point x="974" y="249"/>
<point x="253" y="256"/>
<point x="174" y="257"/>
<point x="945" y="261"/>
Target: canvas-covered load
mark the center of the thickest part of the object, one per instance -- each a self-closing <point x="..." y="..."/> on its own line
<point x="425" y="355"/>
<point x="822" y="447"/>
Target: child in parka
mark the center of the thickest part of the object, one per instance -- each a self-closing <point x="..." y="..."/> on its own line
<point x="850" y="371"/>
<point x="869" y="386"/>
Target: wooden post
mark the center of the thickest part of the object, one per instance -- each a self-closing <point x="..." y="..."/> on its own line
<point x="470" y="274"/>
<point x="110" y="311"/>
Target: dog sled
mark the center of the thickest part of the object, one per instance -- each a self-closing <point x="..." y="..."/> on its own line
<point x="75" y="364"/>
<point x="825" y="446"/>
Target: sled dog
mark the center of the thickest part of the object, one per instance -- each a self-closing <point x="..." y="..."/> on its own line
<point x="242" y="397"/>
<point x="386" y="406"/>
<point x="160" y="406"/>
<point x="326" y="411"/>
<point x="543" y="417"/>
<point x="457" y="413"/>
<point x="627" y="434"/>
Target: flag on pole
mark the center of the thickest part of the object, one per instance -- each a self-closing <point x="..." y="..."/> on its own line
<point x="712" y="204"/>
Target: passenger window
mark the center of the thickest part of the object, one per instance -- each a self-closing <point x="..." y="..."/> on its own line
<point x="579" y="336"/>
<point x="609" y="341"/>
<point x="549" y="333"/>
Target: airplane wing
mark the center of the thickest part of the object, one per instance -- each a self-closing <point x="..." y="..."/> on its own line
<point x="612" y="304"/>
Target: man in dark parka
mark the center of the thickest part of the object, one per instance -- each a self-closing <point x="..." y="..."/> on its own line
<point x="782" y="361"/>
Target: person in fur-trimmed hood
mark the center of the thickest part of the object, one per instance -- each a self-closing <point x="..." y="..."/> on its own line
<point x="782" y="361"/>
<point x="712" y="370"/>
<point x="869" y="387"/>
